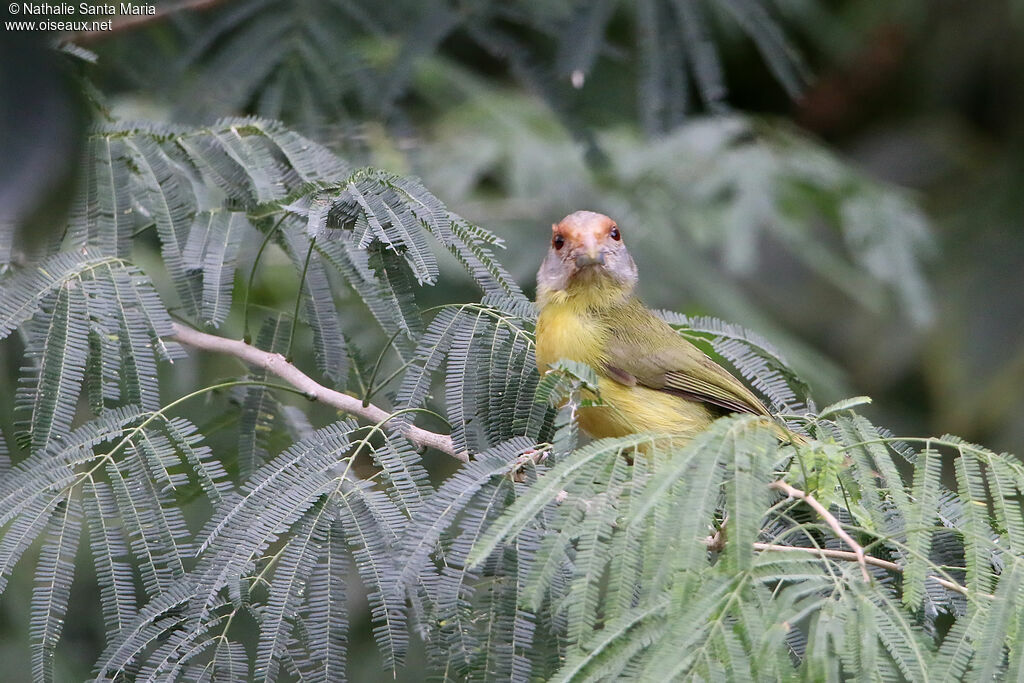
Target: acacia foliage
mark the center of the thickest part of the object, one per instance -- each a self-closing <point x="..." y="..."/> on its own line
<point x="548" y="48"/>
<point x="638" y="557"/>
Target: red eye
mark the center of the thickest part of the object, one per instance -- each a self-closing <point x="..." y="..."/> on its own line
<point x="558" y="242"/>
<point x="614" y="234"/>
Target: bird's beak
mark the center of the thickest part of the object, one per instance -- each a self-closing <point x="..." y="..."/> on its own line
<point x="592" y="257"/>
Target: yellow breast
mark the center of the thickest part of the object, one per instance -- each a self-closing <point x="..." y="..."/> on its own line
<point x="628" y="410"/>
<point x="565" y="330"/>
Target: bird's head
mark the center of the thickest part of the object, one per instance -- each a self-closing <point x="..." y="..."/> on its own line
<point x="587" y="253"/>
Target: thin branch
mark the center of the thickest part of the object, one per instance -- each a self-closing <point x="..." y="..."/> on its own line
<point x="830" y="519"/>
<point x="847" y="555"/>
<point x="132" y="22"/>
<point x="716" y="543"/>
<point x="275" y="363"/>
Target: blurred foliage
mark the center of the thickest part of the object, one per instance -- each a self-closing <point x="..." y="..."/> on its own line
<point x="341" y="61"/>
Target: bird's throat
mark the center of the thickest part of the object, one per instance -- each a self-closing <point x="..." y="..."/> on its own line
<point x="572" y="322"/>
<point x="566" y="329"/>
<point x="589" y="290"/>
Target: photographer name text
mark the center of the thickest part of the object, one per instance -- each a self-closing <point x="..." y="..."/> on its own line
<point x="46" y="9"/>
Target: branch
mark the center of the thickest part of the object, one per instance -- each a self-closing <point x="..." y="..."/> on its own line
<point x="134" y="21"/>
<point x="717" y="541"/>
<point x="830" y="519"/>
<point x="847" y="555"/>
<point x="276" y="364"/>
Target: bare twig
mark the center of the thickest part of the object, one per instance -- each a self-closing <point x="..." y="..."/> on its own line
<point x="716" y="542"/>
<point x="847" y="555"/>
<point x="131" y="22"/>
<point x="277" y="364"/>
<point x="829" y="518"/>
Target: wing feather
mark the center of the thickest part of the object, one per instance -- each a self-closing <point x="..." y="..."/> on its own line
<point x="643" y="349"/>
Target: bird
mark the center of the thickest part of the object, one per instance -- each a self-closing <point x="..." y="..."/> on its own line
<point x="650" y="379"/>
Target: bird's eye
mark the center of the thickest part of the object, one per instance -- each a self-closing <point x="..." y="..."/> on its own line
<point x="558" y="242"/>
<point x="614" y="234"/>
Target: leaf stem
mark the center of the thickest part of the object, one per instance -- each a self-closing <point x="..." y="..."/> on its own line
<point x="376" y="367"/>
<point x="252" y="276"/>
<point x="298" y="299"/>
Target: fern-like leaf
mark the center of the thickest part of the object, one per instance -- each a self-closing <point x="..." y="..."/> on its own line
<point x="259" y="407"/>
<point x="927" y="476"/>
<point x="54" y="575"/>
<point x="58" y="348"/>
<point x="212" y="248"/>
<point x="325" y="610"/>
<point x="110" y="555"/>
<point x="293" y="568"/>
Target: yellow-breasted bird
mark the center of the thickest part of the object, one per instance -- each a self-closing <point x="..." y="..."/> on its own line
<point x="649" y="377"/>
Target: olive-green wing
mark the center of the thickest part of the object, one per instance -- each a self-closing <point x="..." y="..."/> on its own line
<point x="643" y="349"/>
